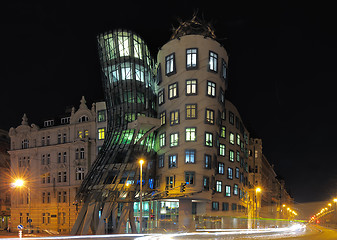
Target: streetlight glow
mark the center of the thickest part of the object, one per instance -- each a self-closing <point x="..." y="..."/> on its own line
<point x="19" y="183"/>
<point x="141" y="161"/>
<point x="258" y="189"/>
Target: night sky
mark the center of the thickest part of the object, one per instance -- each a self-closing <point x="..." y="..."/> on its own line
<point x="282" y="70"/>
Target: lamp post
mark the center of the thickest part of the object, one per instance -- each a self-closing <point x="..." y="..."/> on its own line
<point x="335" y="203"/>
<point x="141" y="161"/>
<point x="20" y="183"/>
<point x="257" y="191"/>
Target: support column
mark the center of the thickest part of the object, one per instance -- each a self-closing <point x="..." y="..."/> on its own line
<point x="186" y="222"/>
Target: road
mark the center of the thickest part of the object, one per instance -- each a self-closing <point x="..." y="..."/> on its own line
<point x="294" y="233"/>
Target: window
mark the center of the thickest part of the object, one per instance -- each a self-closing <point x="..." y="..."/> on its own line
<point x="223" y="131"/>
<point x="82" y="153"/>
<point x="221" y="168"/>
<point x="213" y="61"/>
<point x="161" y="98"/>
<point x="59" y="157"/>
<point x="159" y="77"/>
<point x="235" y="189"/>
<point x="43" y="197"/>
<point x="101" y="116"/>
<point x="174" y="117"/>
<point x="224" y="69"/>
<point x="191" y="111"/>
<point x="59" y="138"/>
<point x="83" y="119"/>
<point x="222" y="149"/>
<point x="79" y="134"/>
<point x="190" y="134"/>
<point x="230" y="173"/>
<point x="48" y="123"/>
<point x="48" y="158"/>
<point x="189" y="177"/>
<point x="211" y="89"/>
<point x="205" y="183"/>
<point x="208" y="161"/>
<point x="173" y="90"/>
<point x="209" y="118"/>
<point x="222" y="96"/>
<point x="191" y="87"/>
<point x="172" y="161"/>
<point x="190" y="156"/>
<point x="79" y="173"/>
<point x="101" y="133"/>
<point x="161" y="161"/>
<point x="25" y="144"/>
<point x="162" y="139"/>
<point x="215" y="206"/>
<point x="170" y="64"/>
<point x="234" y="206"/>
<point x="169" y="182"/>
<point x="231" y="138"/>
<point x="191" y="58"/>
<point x="218" y="186"/>
<point x="228" y="191"/>
<point x="48" y="140"/>
<point x="43" y="160"/>
<point x="64" y="137"/>
<point x="237" y="156"/>
<point x="59" y="177"/>
<point x="43" y="141"/>
<point x="238" y="141"/>
<point x="231" y="155"/>
<point x="237" y="173"/>
<point x="174" y="139"/>
<point x="208" y="139"/>
<point x="163" y="118"/>
<point x="64" y="157"/>
<point x="64" y="176"/>
<point x="231" y="118"/>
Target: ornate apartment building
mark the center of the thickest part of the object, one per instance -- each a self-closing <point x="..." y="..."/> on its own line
<point x="52" y="160"/>
<point x="5" y="199"/>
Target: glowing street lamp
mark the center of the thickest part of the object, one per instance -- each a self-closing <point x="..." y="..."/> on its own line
<point x="141" y="162"/>
<point x="19" y="183"/>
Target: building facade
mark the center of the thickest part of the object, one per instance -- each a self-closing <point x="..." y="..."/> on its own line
<point x="5" y="203"/>
<point x="52" y="161"/>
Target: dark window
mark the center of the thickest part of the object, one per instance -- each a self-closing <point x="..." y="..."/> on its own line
<point x="215" y="206"/>
<point x="161" y="97"/>
<point x="161" y="161"/>
<point x="225" y="206"/>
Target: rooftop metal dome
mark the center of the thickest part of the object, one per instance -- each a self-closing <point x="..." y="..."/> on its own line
<point x="193" y="27"/>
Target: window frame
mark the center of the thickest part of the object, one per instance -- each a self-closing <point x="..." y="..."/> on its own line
<point x="191" y="56"/>
<point x="161" y="97"/>
<point x="210" y="89"/>
<point x="214" y="60"/>
<point x="190" y="84"/>
<point x="174" y="143"/>
<point x="168" y="59"/>
<point x="189" y="110"/>
<point x="191" y="155"/>
<point x="190" y="133"/>
<point x="209" y="116"/>
<point x="176" y="117"/>
<point x="171" y="163"/>
<point x="211" y="139"/>
<point x="173" y="90"/>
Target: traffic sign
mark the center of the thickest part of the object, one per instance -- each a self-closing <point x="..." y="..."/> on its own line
<point x="20" y="226"/>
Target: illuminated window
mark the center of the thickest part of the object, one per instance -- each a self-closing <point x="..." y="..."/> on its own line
<point x="238" y="141"/>
<point x="190" y="156"/>
<point x="123" y="44"/>
<point x="139" y="72"/>
<point x="222" y="149"/>
<point x="114" y="73"/>
<point x="209" y="118"/>
<point x="173" y="90"/>
<point x="208" y="139"/>
<point x="191" y="87"/>
<point x="190" y="134"/>
<point x="126" y="71"/>
<point x="221" y="168"/>
<point x="231" y="155"/>
<point x="161" y="98"/>
<point x="231" y="138"/>
<point x="191" y="58"/>
<point x="228" y="191"/>
<point x="189" y="177"/>
<point x="211" y="89"/>
<point x="213" y="61"/>
<point x="191" y="111"/>
<point x="205" y="183"/>
<point x="235" y="189"/>
<point x="174" y="139"/>
<point x="162" y="138"/>
<point x="237" y="156"/>
<point x="237" y="173"/>
<point x="223" y="131"/>
<point x="163" y="118"/>
<point x="172" y="161"/>
<point x="101" y="116"/>
<point x="170" y="64"/>
<point x="230" y="173"/>
<point x="218" y="186"/>
<point x="80" y="134"/>
<point x="137" y="47"/>
<point x="169" y="182"/>
<point x="174" y="117"/>
<point x="101" y="133"/>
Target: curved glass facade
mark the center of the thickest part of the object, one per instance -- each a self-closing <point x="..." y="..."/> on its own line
<point x="128" y="82"/>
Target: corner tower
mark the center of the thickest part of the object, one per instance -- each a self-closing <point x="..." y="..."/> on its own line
<point x="192" y="75"/>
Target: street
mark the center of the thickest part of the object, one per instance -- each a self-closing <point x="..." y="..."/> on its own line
<point x="297" y="232"/>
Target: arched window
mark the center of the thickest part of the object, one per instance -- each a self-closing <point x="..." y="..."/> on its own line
<point x="79" y="173"/>
<point x="25" y="144"/>
<point x="84" y="118"/>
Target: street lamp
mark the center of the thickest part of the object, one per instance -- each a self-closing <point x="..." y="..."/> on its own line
<point x="141" y="162"/>
<point x="21" y="183"/>
<point x="257" y="190"/>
